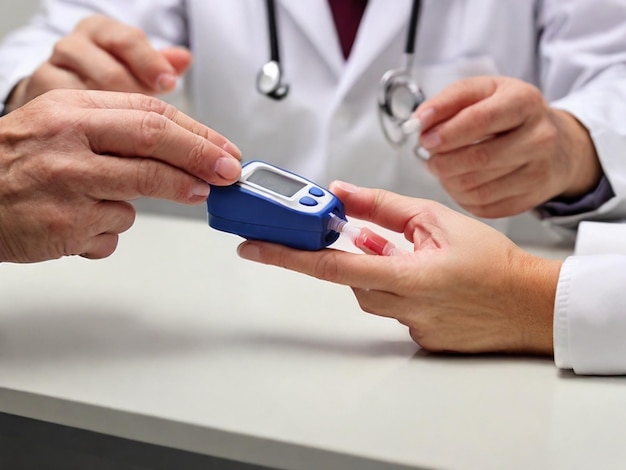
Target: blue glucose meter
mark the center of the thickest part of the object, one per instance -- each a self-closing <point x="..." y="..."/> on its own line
<point x="275" y="205"/>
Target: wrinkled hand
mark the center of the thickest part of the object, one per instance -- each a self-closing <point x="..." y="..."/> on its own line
<point x="499" y="149"/>
<point x="104" y="54"/>
<point x="465" y="288"/>
<point x="70" y="159"/>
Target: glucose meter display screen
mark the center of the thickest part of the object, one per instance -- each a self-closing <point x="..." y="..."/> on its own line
<point x="276" y="182"/>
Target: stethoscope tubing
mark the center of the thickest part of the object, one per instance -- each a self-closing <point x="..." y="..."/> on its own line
<point x="394" y="83"/>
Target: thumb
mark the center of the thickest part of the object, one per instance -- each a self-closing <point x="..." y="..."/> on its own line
<point x="179" y="57"/>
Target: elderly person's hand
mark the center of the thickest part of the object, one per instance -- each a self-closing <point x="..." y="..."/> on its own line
<point x="70" y="160"/>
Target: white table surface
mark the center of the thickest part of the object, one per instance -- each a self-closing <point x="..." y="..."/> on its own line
<point x="176" y="341"/>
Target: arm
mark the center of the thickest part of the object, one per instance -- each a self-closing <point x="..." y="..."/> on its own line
<point x="70" y="160"/>
<point x="465" y="288"/>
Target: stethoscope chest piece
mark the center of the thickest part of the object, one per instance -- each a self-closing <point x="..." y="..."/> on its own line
<point x="399" y="95"/>
<point x="269" y="81"/>
<point x="398" y="98"/>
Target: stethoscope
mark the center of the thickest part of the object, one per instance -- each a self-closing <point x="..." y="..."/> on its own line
<point x="399" y="94"/>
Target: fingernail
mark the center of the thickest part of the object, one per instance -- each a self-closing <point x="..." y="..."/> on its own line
<point x="425" y="116"/>
<point x="345" y="187"/>
<point x="430" y="140"/>
<point x="227" y="168"/>
<point x="232" y="149"/>
<point x="166" y="82"/>
<point x="200" y="188"/>
<point x="249" y="251"/>
<point x="412" y="126"/>
<point x="422" y="153"/>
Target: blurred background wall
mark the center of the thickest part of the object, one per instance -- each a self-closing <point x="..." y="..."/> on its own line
<point x="14" y="13"/>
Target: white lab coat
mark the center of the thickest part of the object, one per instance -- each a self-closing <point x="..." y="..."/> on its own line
<point x="590" y="305"/>
<point x="327" y="128"/>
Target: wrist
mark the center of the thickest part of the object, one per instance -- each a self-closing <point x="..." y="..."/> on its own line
<point x="534" y="286"/>
<point x="16" y="97"/>
<point x="582" y="159"/>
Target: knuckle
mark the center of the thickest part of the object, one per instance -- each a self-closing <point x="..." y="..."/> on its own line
<point x="147" y="178"/>
<point x="484" y="116"/>
<point x="482" y="194"/>
<point x="64" y="227"/>
<point x="127" y="38"/>
<point x="60" y="172"/>
<point x="151" y="104"/>
<point x="127" y="217"/>
<point x="62" y="49"/>
<point x="326" y="267"/>
<point x="152" y="131"/>
<point x="197" y="155"/>
<point x="467" y="181"/>
<point x="181" y="190"/>
<point x="479" y="157"/>
<point x="547" y="134"/>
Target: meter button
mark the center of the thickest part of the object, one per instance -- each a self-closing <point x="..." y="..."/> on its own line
<point x="317" y="192"/>
<point x="308" y="201"/>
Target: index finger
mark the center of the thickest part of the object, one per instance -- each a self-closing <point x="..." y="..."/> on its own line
<point x="387" y="209"/>
<point x="130" y="46"/>
<point x="453" y="99"/>
<point x="340" y="267"/>
<point x="471" y="110"/>
<point x="138" y="125"/>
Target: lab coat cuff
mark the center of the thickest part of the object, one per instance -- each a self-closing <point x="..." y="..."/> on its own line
<point x="561" y="320"/>
<point x="587" y="203"/>
<point x="9" y="82"/>
<point x="589" y="321"/>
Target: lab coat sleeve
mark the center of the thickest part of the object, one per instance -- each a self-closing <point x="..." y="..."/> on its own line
<point x="590" y="315"/>
<point x="583" y="71"/>
<point x="26" y="48"/>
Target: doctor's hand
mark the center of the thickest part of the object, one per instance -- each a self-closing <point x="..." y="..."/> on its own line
<point x="465" y="288"/>
<point x="499" y="149"/>
<point x="104" y="54"/>
<point x="70" y="160"/>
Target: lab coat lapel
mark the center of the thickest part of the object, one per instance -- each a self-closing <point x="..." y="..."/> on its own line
<point x="318" y="28"/>
<point x="383" y="21"/>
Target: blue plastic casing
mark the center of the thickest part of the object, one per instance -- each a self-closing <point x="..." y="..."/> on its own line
<point x="256" y="212"/>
